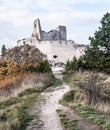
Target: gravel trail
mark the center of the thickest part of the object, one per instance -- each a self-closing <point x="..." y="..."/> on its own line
<point x="48" y="110"/>
<point x="46" y="115"/>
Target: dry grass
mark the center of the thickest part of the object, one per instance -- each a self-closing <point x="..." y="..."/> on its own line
<point x="15" y="116"/>
<point x="14" y="112"/>
<point x="91" y="89"/>
<point x="11" y="81"/>
<point x="15" y="85"/>
<point x="90" y="96"/>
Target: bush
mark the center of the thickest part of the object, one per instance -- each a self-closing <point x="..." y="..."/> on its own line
<point x="69" y="96"/>
<point x="9" y="68"/>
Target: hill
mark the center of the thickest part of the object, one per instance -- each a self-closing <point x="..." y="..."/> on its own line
<point x="22" y="64"/>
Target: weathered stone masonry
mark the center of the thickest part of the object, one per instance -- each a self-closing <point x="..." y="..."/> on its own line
<point x="54" y="43"/>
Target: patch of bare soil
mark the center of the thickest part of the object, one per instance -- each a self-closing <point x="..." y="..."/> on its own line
<point x="51" y="104"/>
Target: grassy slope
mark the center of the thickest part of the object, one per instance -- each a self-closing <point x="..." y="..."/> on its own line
<point x="67" y="123"/>
<point x="101" y="119"/>
<point x="14" y="112"/>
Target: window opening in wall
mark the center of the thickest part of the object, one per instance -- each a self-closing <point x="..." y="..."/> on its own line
<point x="55" y="56"/>
<point x="35" y="25"/>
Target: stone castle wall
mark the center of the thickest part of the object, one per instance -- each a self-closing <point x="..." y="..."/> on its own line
<point x="56" y="34"/>
<point x="57" y="51"/>
<point x="53" y="44"/>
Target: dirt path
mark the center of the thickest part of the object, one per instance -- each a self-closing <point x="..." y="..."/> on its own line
<point x="48" y="110"/>
<point x="47" y="117"/>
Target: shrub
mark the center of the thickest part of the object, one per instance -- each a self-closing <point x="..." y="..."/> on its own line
<point x="69" y="96"/>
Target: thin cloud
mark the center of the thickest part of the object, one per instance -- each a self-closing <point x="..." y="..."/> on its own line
<point x="19" y="15"/>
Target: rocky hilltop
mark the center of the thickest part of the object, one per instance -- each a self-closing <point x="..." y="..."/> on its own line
<point x="20" y="61"/>
<point x="24" y="54"/>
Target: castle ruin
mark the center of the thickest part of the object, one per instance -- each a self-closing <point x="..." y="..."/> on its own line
<point x="53" y="44"/>
<point x="57" y="34"/>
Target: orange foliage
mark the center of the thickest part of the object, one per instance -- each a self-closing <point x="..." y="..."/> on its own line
<point x="10" y="81"/>
<point x="11" y="73"/>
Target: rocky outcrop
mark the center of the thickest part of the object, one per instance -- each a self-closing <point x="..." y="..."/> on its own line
<point x="21" y="68"/>
<point x="24" y="54"/>
<point x="21" y="60"/>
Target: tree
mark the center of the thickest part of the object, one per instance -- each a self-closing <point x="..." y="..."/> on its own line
<point x="72" y="65"/>
<point x="3" y="51"/>
<point x="97" y="54"/>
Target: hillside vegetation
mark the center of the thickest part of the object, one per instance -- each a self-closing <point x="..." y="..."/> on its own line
<point x="96" y="84"/>
<point x="15" y="109"/>
<point x="89" y="96"/>
<point x="97" y="54"/>
<point x="19" y="62"/>
<point x="89" y="78"/>
<point x="24" y="73"/>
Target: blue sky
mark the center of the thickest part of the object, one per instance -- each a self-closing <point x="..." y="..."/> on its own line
<point x="82" y="18"/>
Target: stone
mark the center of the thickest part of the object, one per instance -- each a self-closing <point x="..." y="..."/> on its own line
<point x="24" y="54"/>
<point x="57" y="34"/>
<point x="53" y="43"/>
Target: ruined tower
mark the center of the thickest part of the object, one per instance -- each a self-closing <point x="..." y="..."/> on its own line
<point x="37" y="32"/>
<point x="62" y="33"/>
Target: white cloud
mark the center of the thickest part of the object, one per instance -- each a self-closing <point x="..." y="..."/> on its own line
<point x="80" y="23"/>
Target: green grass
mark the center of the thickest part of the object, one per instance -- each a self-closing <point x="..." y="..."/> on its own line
<point x="90" y="114"/>
<point x="55" y="82"/>
<point x="14" y="115"/>
<point x="66" y="122"/>
<point x="23" y="115"/>
<point x="72" y="80"/>
<point x="68" y="80"/>
<point x="14" y="111"/>
<point x="96" y="117"/>
<point x="9" y="102"/>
